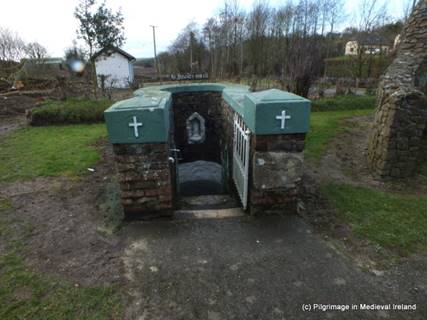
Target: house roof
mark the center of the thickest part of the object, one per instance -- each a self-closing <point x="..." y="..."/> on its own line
<point x="372" y="40"/>
<point x="114" y="49"/>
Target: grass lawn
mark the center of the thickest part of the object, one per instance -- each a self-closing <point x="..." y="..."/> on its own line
<point x="390" y="220"/>
<point x="27" y="295"/>
<point x="393" y="221"/>
<point x="324" y="127"/>
<point x="49" y="151"/>
<point x="348" y="102"/>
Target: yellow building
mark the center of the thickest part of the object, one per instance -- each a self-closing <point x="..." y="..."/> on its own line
<point x="372" y="45"/>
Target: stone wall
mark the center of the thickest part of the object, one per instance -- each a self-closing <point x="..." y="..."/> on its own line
<point x="277" y="163"/>
<point x="145" y="177"/>
<point x="396" y="145"/>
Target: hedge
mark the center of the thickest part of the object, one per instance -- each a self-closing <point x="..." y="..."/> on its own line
<point x="347" y="67"/>
<point x="348" y="102"/>
<point x="71" y="111"/>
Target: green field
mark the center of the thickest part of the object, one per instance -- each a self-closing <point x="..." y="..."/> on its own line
<point x="324" y="127"/>
<point x="341" y="103"/>
<point x="393" y="221"/>
<point x="49" y="151"/>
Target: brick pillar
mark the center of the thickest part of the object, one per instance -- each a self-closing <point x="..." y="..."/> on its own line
<point x="145" y="177"/>
<point x="277" y="165"/>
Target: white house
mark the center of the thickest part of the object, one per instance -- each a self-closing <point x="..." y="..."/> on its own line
<point x="351" y="48"/>
<point x="372" y="44"/>
<point x="114" y="67"/>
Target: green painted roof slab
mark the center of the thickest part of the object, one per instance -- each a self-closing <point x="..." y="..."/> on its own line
<point x="137" y="103"/>
<point x="266" y="122"/>
<point x="235" y="97"/>
<point x="188" y="87"/>
<point x="152" y="112"/>
<point x="262" y="108"/>
<point x="155" y="126"/>
<point x="273" y="95"/>
<point x="151" y="107"/>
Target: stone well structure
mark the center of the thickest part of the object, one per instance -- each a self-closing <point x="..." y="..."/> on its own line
<point x="257" y="138"/>
<point x="399" y="138"/>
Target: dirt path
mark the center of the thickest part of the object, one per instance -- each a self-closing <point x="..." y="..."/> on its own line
<point x="63" y="223"/>
<point x="345" y="158"/>
<point x="10" y="123"/>
<point x="252" y="269"/>
<point x="12" y="112"/>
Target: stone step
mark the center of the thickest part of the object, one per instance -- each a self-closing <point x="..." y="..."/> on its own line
<point x="209" y="214"/>
<point x="211" y="202"/>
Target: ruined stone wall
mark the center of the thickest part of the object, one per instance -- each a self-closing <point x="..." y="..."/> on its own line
<point x="399" y="132"/>
<point x="145" y="177"/>
<point x="277" y="163"/>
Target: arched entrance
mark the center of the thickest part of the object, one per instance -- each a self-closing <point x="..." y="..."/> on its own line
<point x="203" y="139"/>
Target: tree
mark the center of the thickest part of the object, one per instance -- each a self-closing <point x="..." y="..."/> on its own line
<point x="12" y="47"/>
<point x="189" y="50"/>
<point x="372" y="15"/>
<point x="335" y="13"/>
<point x="408" y="7"/>
<point x="75" y="53"/>
<point x="258" y="25"/>
<point x="35" y="50"/>
<point x="99" y="27"/>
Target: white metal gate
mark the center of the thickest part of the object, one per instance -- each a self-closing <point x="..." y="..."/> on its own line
<point x="241" y="146"/>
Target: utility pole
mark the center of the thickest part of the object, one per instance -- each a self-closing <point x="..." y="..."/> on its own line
<point x="156" y="63"/>
<point x="191" y="52"/>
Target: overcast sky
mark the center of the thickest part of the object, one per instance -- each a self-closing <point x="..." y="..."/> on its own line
<point x="51" y="22"/>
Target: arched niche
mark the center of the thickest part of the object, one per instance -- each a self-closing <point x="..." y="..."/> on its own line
<point x="196" y="131"/>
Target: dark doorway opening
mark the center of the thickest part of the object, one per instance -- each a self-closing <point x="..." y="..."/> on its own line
<point x="200" y="178"/>
<point x="202" y="136"/>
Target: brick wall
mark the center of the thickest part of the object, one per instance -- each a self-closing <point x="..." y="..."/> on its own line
<point x="145" y="177"/>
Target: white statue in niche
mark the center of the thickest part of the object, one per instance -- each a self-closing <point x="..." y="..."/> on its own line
<point x="196" y="132"/>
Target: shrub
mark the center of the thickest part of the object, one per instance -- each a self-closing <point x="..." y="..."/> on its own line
<point x="348" y="66"/>
<point x="71" y="111"/>
<point x="348" y="102"/>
